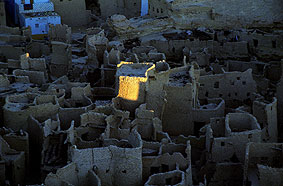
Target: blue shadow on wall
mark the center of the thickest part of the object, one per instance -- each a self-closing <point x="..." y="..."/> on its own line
<point x="144" y="7"/>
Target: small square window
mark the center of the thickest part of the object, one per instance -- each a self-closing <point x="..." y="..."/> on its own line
<point x="216" y="84"/>
<point x="273" y="44"/>
<point x="28" y="6"/>
<point x="206" y="94"/>
<point x="36" y="25"/>
<point x="222" y="143"/>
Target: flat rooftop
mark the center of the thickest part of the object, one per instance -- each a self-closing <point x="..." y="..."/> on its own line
<point x="133" y="69"/>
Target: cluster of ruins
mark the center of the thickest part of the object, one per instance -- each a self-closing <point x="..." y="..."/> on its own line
<point x="189" y="93"/>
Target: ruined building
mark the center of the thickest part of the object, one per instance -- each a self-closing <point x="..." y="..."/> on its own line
<point x="141" y="92"/>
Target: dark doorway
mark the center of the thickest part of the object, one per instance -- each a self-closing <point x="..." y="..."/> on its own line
<point x="197" y="127"/>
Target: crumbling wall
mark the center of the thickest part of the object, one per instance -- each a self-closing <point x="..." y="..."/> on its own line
<point x="113" y="164"/>
<point x="202" y="114"/>
<point x="219" y="14"/>
<point x="19" y="107"/>
<point x="181" y="97"/>
<point x="130" y="28"/>
<point x="93" y="125"/>
<point x="127" y="8"/>
<point x="65" y="175"/>
<point x="73" y="13"/>
<point x="96" y="45"/>
<point x="197" y="145"/>
<point x="155" y="94"/>
<point x="252" y="12"/>
<point x="73" y="109"/>
<point x="19" y="142"/>
<point x="169" y="178"/>
<point x="11" y="52"/>
<point x="241" y="86"/>
<point x="14" y="163"/>
<point x="167" y="156"/>
<point x="69" y="175"/>
<point x="35" y="77"/>
<point x="9" y="38"/>
<point x="36" y="64"/>
<point x="266" y="46"/>
<point x="239" y="122"/>
<point x="199" y="49"/>
<point x="10" y="30"/>
<point x="266" y="159"/>
<point x="266" y="114"/>
<point x="240" y="128"/>
<point x="146" y="124"/>
<point x="61" y="59"/>
<point x="61" y="33"/>
<point x="38" y="48"/>
<point x="45" y="133"/>
<point x="177" y="109"/>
